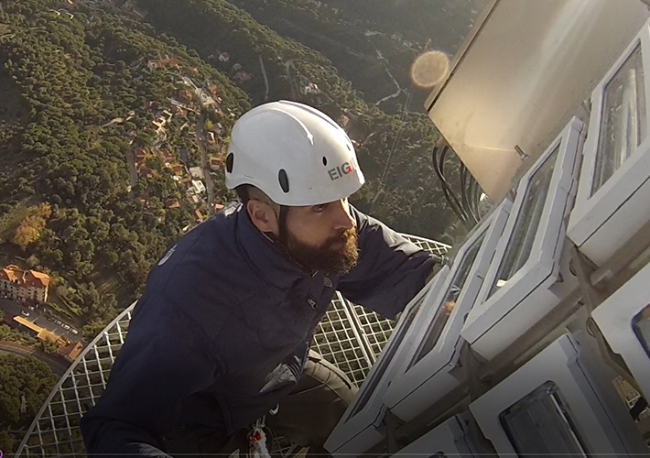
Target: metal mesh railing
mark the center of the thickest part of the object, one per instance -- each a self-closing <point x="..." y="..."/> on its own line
<point x="338" y="340"/>
<point x="428" y="245"/>
<point x="348" y="336"/>
<point x="55" y="431"/>
<point x="375" y="329"/>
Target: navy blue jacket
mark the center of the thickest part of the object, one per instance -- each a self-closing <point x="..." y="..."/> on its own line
<point x="222" y="331"/>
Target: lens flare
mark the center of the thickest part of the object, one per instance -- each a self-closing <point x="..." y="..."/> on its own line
<point x="429" y="68"/>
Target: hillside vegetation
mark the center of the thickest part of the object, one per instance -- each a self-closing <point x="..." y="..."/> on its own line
<point x="102" y="101"/>
<point x="80" y="94"/>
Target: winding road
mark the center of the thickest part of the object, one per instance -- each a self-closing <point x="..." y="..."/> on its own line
<point x="57" y="366"/>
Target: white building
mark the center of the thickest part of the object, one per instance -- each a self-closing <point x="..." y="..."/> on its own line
<point x="197" y="172"/>
<point x="22" y="285"/>
<point x="198" y="186"/>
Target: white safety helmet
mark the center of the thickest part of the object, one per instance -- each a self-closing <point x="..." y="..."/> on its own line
<point x="294" y="153"/>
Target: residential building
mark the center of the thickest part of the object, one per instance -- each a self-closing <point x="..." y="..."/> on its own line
<point x="139" y="156"/>
<point x="145" y="172"/>
<point x="242" y="77"/>
<point x="71" y="351"/>
<point x="198" y="186"/>
<point x="215" y="163"/>
<point x="311" y="88"/>
<point x="24" y="284"/>
<point x="185" y="155"/>
<point x="35" y="330"/>
<point x="172" y="203"/>
<point x="176" y="169"/>
<point x="166" y="156"/>
<point x="197" y="172"/>
<point x="159" y="123"/>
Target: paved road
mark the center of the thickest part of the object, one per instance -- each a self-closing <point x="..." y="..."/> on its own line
<point x="203" y="146"/>
<point x="57" y="366"/>
<point x="36" y="316"/>
<point x="266" y="79"/>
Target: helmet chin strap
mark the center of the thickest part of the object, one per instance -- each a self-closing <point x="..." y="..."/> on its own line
<point x="281" y="240"/>
<point x="282" y="226"/>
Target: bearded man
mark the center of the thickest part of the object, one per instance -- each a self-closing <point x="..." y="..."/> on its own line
<point x="221" y="335"/>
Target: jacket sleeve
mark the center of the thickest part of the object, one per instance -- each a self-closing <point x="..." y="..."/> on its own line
<point x="158" y="365"/>
<point x="390" y="269"/>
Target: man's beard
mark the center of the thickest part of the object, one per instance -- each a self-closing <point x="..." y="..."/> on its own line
<point x="337" y="256"/>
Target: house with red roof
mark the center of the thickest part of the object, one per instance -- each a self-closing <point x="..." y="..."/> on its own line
<point x="24" y="284"/>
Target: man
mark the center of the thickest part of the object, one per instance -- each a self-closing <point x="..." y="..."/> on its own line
<point x="222" y="333"/>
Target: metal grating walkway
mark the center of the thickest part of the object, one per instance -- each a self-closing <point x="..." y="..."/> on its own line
<point x="348" y="336"/>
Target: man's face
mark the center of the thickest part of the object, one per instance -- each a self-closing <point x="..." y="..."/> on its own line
<point x="323" y="237"/>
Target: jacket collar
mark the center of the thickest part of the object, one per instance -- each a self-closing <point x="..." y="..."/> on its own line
<point x="264" y="256"/>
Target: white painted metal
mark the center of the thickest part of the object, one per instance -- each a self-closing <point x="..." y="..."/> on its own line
<point x="624" y="319"/>
<point x="361" y="426"/>
<point x="583" y="411"/>
<point x="449" y="439"/>
<point x="525" y="73"/>
<point x="426" y="372"/>
<point x="603" y="221"/>
<point x="507" y="307"/>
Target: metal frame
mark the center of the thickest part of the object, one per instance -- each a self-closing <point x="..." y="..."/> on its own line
<point x="375" y="329"/>
<point x="601" y="223"/>
<point x="418" y="386"/>
<point x="358" y="429"/>
<point x="450" y="438"/>
<point x="460" y="54"/>
<point x="615" y="317"/>
<point x="527" y="296"/>
<point x="572" y="363"/>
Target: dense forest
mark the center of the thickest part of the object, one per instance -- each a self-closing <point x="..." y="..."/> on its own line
<point x="65" y="177"/>
<point x="84" y="84"/>
<point x="26" y="382"/>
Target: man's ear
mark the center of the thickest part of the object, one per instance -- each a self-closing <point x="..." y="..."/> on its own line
<point x="263" y="216"/>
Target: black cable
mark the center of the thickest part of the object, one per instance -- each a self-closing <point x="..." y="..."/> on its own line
<point x="465" y="184"/>
<point x="466" y="203"/>
<point x="438" y="158"/>
<point x="465" y="217"/>
<point x="448" y="191"/>
<point x="474" y="192"/>
<point x="454" y="195"/>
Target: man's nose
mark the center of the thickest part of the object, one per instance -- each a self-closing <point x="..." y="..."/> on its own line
<point x="342" y="217"/>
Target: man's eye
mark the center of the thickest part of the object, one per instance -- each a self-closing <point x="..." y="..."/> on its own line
<point x="319" y="208"/>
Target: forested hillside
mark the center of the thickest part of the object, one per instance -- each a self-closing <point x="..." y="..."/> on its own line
<point x="84" y="87"/>
<point x="373" y="43"/>
<point x="64" y="79"/>
<point x="106" y="106"/>
<point x="394" y="150"/>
